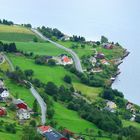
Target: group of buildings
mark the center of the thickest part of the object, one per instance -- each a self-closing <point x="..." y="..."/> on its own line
<point x="112" y="107"/>
<point x="4" y="94"/>
<point x="51" y="134"/>
<point x="62" y="59"/>
<point x="23" y="112"/>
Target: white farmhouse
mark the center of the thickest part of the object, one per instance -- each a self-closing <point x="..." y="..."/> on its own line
<point x="5" y="94"/>
<point x="23" y="114"/>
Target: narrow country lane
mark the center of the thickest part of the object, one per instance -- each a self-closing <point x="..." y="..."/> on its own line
<point x="76" y="59"/>
<point x="41" y="103"/>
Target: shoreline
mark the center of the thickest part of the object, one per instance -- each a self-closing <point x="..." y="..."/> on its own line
<point x="126" y="53"/>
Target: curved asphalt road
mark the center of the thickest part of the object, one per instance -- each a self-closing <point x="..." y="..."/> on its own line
<point x="73" y="54"/>
<point x="41" y="102"/>
<point x="37" y="96"/>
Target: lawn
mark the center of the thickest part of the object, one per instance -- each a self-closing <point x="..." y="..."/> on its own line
<point x="115" y="53"/>
<point x="8" y="136"/>
<point x="90" y="92"/>
<point x="71" y="120"/>
<point x="16" y="33"/>
<point x="4" y="66"/>
<point x="39" y="48"/>
<point x="44" y="73"/>
<point x="88" y="50"/>
<point x="130" y="123"/>
<point x="20" y="92"/>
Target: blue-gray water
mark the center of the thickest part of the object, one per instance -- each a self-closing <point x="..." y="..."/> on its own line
<point x="119" y="20"/>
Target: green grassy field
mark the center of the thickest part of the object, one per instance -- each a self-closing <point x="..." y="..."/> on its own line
<point x="89" y="50"/>
<point x="16" y="33"/>
<point x="130" y="123"/>
<point x="7" y="136"/>
<point x="44" y="73"/>
<point x="4" y="66"/>
<point x="91" y="93"/>
<point x="39" y="48"/>
<point x="20" y="92"/>
<point x="71" y="120"/>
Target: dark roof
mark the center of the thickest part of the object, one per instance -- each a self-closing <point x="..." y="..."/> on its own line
<point x="2" y="89"/>
<point x="61" y="55"/>
<point x="48" y="57"/>
<point x="53" y="135"/>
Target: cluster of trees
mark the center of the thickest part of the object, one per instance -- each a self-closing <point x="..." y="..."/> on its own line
<point x="114" y="95"/>
<point x="104" y="39"/>
<point x="11" y="47"/>
<point x="29" y="133"/>
<point x="10" y="128"/>
<point x="76" y="38"/>
<point x="94" y="79"/>
<point x="27" y="25"/>
<point x="42" y="60"/>
<point x="6" y="22"/>
<point x="88" y="79"/>
<point x="68" y="79"/>
<point x="103" y="119"/>
<point x="76" y="46"/>
<point x="51" y="33"/>
<point x="110" y="94"/>
<point x="19" y="76"/>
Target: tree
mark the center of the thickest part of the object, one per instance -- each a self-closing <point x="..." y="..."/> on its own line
<point x="83" y="46"/>
<point x="50" y="113"/>
<point x="104" y="39"/>
<point x="28" y="73"/>
<point x="67" y="79"/>
<point x="12" y="107"/>
<point x="33" y="123"/>
<point x="35" y="39"/>
<point x="29" y="133"/>
<point x="108" y="94"/>
<point x="137" y="119"/>
<point x="40" y="60"/>
<point x="10" y="128"/>
<point x="35" y="106"/>
<point x="51" y="88"/>
<point x="51" y="62"/>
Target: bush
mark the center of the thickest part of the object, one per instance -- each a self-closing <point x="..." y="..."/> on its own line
<point x="51" y="89"/>
<point x="10" y="128"/>
<point x="67" y="79"/>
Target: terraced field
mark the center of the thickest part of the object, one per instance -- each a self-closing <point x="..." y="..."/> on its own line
<point x="16" y="33"/>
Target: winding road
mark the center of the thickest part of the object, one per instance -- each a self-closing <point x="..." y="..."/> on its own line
<point x="34" y="92"/>
<point x="76" y="59"/>
<point x="41" y="102"/>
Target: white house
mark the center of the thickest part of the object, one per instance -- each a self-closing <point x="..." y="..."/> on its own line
<point x="110" y="106"/>
<point x="129" y="106"/>
<point x="5" y="94"/>
<point x="23" y="114"/>
<point x="63" y="60"/>
<point x="93" y="60"/>
<point x="65" y="38"/>
<point x="133" y="117"/>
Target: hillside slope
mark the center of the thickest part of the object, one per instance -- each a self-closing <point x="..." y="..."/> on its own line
<point x="16" y="33"/>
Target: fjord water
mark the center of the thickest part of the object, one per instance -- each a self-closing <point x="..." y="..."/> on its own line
<point x="119" y="20"/>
